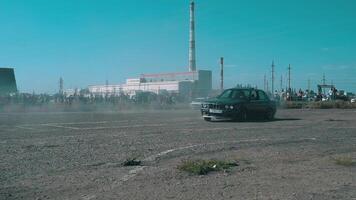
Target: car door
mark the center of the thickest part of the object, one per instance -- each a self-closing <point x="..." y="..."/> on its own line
<point x="263" y="101"/>
<point x="253" y="104"/>
<point x="256" y="104"/>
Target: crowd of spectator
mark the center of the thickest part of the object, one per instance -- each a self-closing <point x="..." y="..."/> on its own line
<point x="309" y="95"/>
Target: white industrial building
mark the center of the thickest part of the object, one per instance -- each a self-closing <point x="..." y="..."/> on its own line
<point x="186" y="83"/>
<point x="134" y="85"/>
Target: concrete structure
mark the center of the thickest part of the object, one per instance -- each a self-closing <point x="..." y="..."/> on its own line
<point x="7" y="81"/>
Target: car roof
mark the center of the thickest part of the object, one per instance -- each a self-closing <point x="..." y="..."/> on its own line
<point x="242" y="89"/>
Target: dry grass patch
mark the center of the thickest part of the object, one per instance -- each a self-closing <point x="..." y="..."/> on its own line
<point x="131" y="162"/>
<point x="345" y="161"/>
<point x="203" y="167"/>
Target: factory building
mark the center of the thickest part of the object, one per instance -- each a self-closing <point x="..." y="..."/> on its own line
<point x="7" y="81"/>
<point x="194" y="83"/>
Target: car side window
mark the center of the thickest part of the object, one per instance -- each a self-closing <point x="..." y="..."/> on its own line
<point x="238" y="94"/>
<point x="247" y="93"/>
<point x="226" y="94"/>
<point x="254" y="95"/>
<point x="262" y="96"/>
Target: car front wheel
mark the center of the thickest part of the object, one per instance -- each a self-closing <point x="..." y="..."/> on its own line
<point x="241" y="115"/>
<point x="207" y="119"/>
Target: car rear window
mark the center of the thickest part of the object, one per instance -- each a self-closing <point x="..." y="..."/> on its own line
<point x="262" y="96"/>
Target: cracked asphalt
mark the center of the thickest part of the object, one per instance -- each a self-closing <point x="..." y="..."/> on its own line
<point x="78" y="155"/>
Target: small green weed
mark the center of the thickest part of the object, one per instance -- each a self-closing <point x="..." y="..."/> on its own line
<point x="203" y="167"/>
<point x="345" y="161"/>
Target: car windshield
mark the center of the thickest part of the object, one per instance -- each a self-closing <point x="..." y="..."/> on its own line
<point x="234" y="94"/>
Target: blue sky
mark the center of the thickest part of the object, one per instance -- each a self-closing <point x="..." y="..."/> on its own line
<point x="89" y="41"/>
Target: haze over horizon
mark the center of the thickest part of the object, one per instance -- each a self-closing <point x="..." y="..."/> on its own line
<point x="89" y="41"/>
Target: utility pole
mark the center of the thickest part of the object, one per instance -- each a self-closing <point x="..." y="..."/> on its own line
<point x="221" y="73"/>
<point x="267" y="86"/>
<point x="289" y="88"/>
<point x="272" y="77"/>
<point x="61" y="86"/>
<point x="281" y="87"/>
<point x="264" y="83"/>
<point x="324" y="82"/>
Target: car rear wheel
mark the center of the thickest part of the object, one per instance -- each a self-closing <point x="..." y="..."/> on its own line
<point x="269" y="114"/>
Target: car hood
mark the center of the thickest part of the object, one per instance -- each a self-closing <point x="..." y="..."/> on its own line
<point x="222" y="101"/>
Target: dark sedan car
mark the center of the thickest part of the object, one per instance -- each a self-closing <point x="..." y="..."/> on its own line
<point x="239" y="104"/>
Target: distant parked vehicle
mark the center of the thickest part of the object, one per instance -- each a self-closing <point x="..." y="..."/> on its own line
<point x="196" y="103"/>
<point x="239" y="104"/>
<point x="353" y="100"/>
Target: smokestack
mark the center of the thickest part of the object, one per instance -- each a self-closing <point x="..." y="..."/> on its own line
<point x="222" y="74"/>
<point x="192" y="59"/>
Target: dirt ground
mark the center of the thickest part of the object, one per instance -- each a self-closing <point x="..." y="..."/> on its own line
<point x="79" y="156"/>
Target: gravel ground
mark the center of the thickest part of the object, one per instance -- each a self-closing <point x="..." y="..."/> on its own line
<point x="79" y="156"/>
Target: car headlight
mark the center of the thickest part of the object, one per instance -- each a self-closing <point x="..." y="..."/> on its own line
<point x="229" y="107"/>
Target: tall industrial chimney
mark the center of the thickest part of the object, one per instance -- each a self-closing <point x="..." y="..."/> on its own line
<point x="192" y="59"/>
